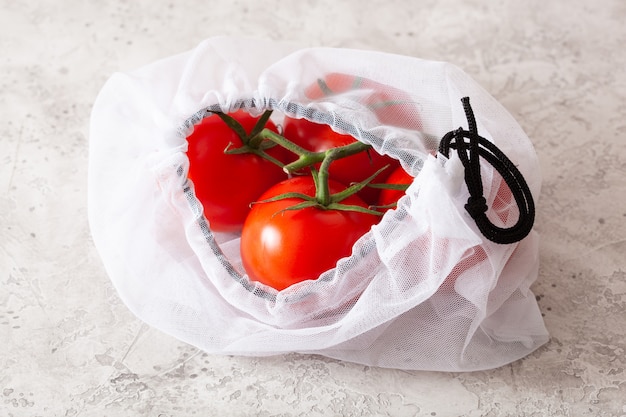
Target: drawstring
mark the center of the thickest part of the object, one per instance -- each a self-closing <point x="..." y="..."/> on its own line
<point x="469" y="152"/>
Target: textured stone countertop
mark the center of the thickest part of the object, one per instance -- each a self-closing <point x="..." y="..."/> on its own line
<point x="70" y="347"/>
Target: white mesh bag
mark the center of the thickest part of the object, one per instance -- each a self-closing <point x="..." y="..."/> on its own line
<point x="438" y="284"/>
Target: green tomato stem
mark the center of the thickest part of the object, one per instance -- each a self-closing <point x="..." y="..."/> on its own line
<point x="356" y="187"/>
<point x="235" y="126"/>
<point x="385" y="186"/>
<point x="322" y="189"/>
<point x="259" y="140"/>
<point x="260" y="152"/>
<point x="254" y="140"/>
<point x="308" y="158"/>
<point x="267" y="134"/>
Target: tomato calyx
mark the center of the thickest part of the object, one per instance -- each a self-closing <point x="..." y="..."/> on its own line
<point x="252" y="142"/>
<point x="323" y="199"/>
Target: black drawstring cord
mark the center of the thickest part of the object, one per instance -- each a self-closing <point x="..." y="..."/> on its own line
<point x="469" y="153"/>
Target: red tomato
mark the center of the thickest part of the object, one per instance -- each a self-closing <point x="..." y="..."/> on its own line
<point x="282" y="247"/>
<point x="226" y="184"/>
<point x="318" y="137"/>
<point x="398" y="176"/>
<point x="392" y="106"/>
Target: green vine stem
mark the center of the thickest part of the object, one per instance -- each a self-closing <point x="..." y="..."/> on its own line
<point x="250" y="143"/>
<point x="260" y="139"/>
<point x="307" y="158"/>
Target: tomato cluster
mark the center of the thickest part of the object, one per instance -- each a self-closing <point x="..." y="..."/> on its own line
<point x="297" y="224"/>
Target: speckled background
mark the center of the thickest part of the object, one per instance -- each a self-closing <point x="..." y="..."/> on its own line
<point x="71" y="348"/>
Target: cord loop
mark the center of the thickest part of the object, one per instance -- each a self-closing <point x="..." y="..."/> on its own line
<point x="470" y="147"/>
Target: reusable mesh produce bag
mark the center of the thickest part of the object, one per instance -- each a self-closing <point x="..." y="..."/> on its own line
<point x="440" y="283"/>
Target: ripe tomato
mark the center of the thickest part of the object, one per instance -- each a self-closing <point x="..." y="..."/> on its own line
<point x="392" y="106"/>
<point x="398" y="176"/>
<point x="318" y="137"/>
<point x="226" y="184"/>
<point x="282" y="247"/>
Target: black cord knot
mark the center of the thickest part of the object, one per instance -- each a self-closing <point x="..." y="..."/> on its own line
<point x="470" y="147"/>
<point x="476" y="206"/>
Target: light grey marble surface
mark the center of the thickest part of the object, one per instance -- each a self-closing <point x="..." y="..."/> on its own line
<point x="69" y="347"/>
